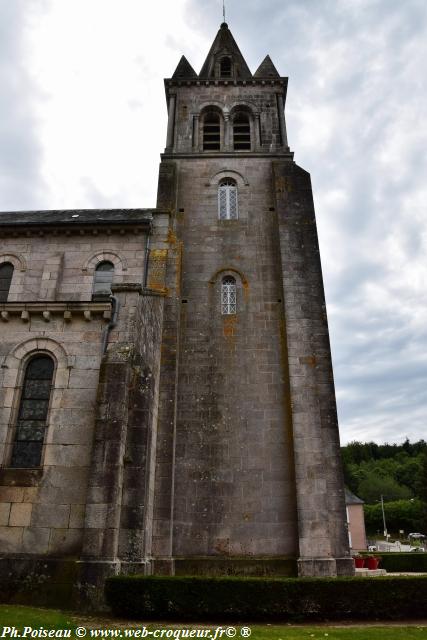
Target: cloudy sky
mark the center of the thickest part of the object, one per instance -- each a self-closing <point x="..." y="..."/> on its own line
<point x="83" y="120"/>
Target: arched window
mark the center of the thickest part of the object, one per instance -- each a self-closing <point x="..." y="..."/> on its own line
<point x="32" y="413"/>
<point x="6" y="273"/>
<point x="227" y="200"/>
<point x="225" y="67"/>
<point x="228" y="296"/>
<point x="241" y="132"/>
<point x="104" y="273"/>
<point x="211" y="132"/>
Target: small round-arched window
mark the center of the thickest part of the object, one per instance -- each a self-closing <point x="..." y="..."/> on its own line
<point x="104" y="273"/>
<point x="228" y="296"/>
<point x="227" y="200"/>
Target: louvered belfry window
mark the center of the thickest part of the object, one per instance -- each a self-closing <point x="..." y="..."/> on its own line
<point x="225" y="67"/>
<point x="104" y="273"/>
<point x="227" y="200"/>
<point x="211" y="132"/>
<point x="228" y="296"/>
<point x="32" y="413"/>
<point x="6" y="273"/>
<point x="241" y="132"/>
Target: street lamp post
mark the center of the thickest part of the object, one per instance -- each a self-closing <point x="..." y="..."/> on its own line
<point x="385" y="526"/>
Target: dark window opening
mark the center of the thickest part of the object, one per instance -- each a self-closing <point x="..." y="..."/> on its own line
<point x="225" y="68"/>
<point x="104" y="273"/>
<point x="6" y="273"/>
<point x="32" y="414"/>
<point x="241" y="132"/>
<point x="211" y="132"/>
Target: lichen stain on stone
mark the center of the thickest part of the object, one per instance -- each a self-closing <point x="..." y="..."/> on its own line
<point x="245" y="285"/>
<point x="310" y="360"/>
<point x="172" y="239"/>
<point x="283" y="184"/>
<point x="229" y="325"/>
<point x="222" y="546"/>
<point x="157" y="270"/>
<point x="178" y="264"/>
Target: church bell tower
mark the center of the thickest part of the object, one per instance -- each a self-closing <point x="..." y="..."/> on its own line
<point x="248" y="475"/>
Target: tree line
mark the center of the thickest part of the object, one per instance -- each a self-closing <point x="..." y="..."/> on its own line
<point x="398" y="472"/>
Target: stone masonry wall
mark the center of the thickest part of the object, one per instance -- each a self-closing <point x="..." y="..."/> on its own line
<point x="234" y="491"/>
<point x="61" y="267"/>
<point x="42" y="511"/>
<point x="319" y="478"/>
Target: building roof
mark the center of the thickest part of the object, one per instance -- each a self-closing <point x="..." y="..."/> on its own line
<point x="184" y="70"/>
<point x="77" y="217"/>
<point x="266" y="69"/>
<point x="350" y="498"/>
<point x="225" y="43"/>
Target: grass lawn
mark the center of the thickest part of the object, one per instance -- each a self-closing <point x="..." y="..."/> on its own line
<point x="21" y="617"/>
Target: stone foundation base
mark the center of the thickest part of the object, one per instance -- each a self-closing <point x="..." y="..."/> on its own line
<point x="38" y="581"/>
<point x="325" y="567"/>
<point x="71" y="584"/>
<point x="224" y="566"/>
<point x="60" y="582"/>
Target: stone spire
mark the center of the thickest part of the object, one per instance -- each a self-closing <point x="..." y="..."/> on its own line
<point x="224" y="46"/>
<point x="266" y="69"/>
<point x="184" y="70"/>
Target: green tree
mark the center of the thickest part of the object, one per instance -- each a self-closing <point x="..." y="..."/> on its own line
<point x="374" y="484"/>
<point x="400" y="514"/>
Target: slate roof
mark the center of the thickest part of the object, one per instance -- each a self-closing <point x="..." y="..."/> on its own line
<point x="225" y="43"/>
<point x="266" y="69"/>
<point x="77" y="217"/>
<point x="184" y="70"/>
<point x="350" y="498"/>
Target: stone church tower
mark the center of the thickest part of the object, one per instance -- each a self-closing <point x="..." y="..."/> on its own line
<point x="248" y="440"/>
<point x="166" y="387"/>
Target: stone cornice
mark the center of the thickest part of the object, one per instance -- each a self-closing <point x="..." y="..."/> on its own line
<point x="279" y="155"/>
<point x="78" y="221"/>
<point x="200" y="82"/>
<point x="45" y="310"/>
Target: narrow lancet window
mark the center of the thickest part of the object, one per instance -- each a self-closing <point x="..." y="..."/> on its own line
<point x="241" y="132"/>
<point x="211" y="132"/>
<point x="6" y="273"/>
<point x="227" y="200"/>
<point x="228" y="296"/>
<point x="32" y="413"/>
<point x="104" y="273"/>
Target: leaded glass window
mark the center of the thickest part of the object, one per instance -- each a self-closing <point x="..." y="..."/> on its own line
<point x="211" y="132"/>
<point x="227" y="200"/>
<point x="6" y="273"/>
<point x="241" y="132"/>
<point x="228" y="296"/>
<point x="103" y="278"/>
<point x="32" y="414"/>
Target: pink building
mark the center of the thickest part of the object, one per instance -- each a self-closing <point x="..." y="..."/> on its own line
<point x="355" y="521"/>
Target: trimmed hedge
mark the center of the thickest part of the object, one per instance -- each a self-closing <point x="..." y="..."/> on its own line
<point x="394" y="562"/>
<point x="200" y="598"/>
